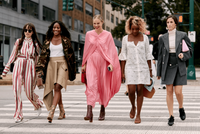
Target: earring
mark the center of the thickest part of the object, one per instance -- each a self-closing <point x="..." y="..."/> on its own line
<point x="167" y="28"/>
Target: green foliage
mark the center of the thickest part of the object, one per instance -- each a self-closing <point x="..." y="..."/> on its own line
<point x="156" y="12"/>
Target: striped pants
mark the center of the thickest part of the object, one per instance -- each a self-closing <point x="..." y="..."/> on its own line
<point x="24" y="74"/>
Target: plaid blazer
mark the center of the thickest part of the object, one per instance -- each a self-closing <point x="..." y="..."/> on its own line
<point x="43" y="61"/>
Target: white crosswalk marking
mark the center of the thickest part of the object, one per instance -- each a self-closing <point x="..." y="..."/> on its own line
<point x="154" y="115"/>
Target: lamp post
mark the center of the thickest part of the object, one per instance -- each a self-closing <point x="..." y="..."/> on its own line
<point x="191" y="69"/>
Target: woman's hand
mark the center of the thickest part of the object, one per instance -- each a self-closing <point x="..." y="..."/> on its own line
<point x="83" y="68"/>
<point x="154" y="61"/>
<point x="158" y="77"/>
<point x="3" y="75"/>
<point x="111" y="67"/>
<point x="180" y="55"/>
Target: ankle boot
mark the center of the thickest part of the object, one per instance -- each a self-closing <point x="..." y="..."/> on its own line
<point x="51" y="113"/>
<point x="182" y="113"/>
<point x="102" y="113"/>
<point x="89" y="115"/>
<point x="62" y="112"/>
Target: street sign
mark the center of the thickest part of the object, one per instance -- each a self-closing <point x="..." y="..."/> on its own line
<point x="192" y="36"/>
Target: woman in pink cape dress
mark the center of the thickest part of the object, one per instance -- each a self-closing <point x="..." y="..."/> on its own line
<point x="99" y="54"/>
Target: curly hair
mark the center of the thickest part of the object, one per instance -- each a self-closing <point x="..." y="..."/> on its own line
<point x="64" y="31"/>
<point x="34" y="37"/>
<point x="136" y="21"/>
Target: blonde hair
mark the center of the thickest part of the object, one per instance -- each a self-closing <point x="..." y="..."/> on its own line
<point x="136" y="21"/>
<point x="98" y="16"/>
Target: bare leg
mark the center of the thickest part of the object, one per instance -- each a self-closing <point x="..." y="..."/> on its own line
<point x="169" y="99"/>
<point x="131" y="95"/>
<point x="179" y="95"/>
<point x="139" y="102"/>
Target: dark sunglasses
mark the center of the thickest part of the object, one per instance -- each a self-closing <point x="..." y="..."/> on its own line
<point x="25" y="30"/>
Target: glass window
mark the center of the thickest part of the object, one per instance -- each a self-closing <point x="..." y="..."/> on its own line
<point x="107" y="15"/>
<point x="116" y="21"/>
<point x="48" y="14"/>
<point x="1" y="28"/>
<point x="9" y="3"/>
<point x="121" y="11"/>
<point x="78" y="25"/>
<point x="7" y="40"/>
<point x="112" y="18"/>
<point x="108" y="28"/>
<point x="88" y="27"/>
<point x="75" y="25"/>
<point x="7" y="30"/>
<point x="1" y="44"/>
<point x="78" y="4"/>
<point x="30" y="7"/>
<point x="88" y="9"/>
<point x="97" y="11"/>
<point x="67" y="20"/>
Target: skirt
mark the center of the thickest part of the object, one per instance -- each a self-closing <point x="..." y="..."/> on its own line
<point x="57" y="72"/>
<point x="172" y="72"/>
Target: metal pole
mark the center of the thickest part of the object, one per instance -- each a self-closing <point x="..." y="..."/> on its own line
<point x="143" y="9"/>
<point x="191" y="69"/>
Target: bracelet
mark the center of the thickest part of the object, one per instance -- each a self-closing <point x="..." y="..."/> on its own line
<point x="150" y="68"/>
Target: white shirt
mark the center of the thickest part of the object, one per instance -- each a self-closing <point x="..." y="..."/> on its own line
<point x="56" y="50"/>
<point x="172" y="37"/>
<point x="136" y="56"/>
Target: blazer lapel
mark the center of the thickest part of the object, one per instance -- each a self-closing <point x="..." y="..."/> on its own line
<point x="166" y="41"/>
<point x="177" y="39"/>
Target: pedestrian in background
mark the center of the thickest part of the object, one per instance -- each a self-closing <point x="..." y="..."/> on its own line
<point x="172" y="65"/>
<point x="56" y="64"/>
<point x="155" y="60"/>
<point x="136" y="62"/>
<point x="100" y="55"/>
<point x="25" y="56"/>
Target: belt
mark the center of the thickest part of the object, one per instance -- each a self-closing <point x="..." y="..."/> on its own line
<point x="22" y="56"/>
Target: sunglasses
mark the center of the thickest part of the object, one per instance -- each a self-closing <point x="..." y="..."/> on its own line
<point x="25" y="30"/>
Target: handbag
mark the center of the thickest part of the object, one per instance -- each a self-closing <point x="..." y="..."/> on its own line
<point x="184" y="46"/>
<point x="83" y="77"/>
<point x="148" y="90"/>
<point x="147" y="93"/>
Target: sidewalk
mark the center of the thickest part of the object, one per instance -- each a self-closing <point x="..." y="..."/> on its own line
<point x="8" y="80"/>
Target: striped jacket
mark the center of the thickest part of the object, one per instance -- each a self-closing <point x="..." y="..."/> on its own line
<point x="43" y="61"/>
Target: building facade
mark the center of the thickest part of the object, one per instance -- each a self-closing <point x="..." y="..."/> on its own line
<point x="112" y="19"/>
<point x="79" y="21"/>
<point x="14" y="14"/>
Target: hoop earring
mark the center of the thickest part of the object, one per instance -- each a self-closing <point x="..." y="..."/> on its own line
<point x="167" y="28"/>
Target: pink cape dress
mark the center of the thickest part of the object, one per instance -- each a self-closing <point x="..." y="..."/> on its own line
<point x="99" y="52"/>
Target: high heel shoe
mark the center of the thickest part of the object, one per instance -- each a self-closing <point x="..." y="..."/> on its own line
<point x="62" y="112"/>
<point x="102" y="113"/>
<point x="89" y="115"/>
<point x="51" y="113"/>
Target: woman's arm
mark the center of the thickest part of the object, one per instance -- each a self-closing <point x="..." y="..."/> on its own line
<point x="12" y="57"/>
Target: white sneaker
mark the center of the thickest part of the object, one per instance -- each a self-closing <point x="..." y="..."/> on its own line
<point x="39" y="111"/>
<point x="18" y="120"/>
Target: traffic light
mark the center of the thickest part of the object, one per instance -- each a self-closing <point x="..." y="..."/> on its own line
<point x="70" y="5"/>
<point x="179" y="17"/>
<point x="151" y="39"/>
<point x="64" y="8"/>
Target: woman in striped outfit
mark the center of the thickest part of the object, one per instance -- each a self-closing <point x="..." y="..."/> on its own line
<point x="25" y="55"/>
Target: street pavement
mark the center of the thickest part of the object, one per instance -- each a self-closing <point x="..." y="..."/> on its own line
<point x="154" y="114"/>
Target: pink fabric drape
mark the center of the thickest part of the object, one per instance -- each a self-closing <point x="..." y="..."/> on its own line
<point x="99" y="52"/>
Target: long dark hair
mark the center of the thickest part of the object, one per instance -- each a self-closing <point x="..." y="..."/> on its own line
<point x="34" y="37"/>
<point x="64" y="31"/>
